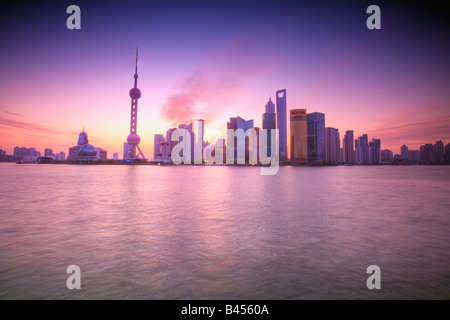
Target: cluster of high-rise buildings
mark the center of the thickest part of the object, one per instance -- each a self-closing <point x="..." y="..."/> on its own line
<point x="310" y="140"/>
<point x="427" y="154"/>
<point x="29" y="155"/>
<point x="26" y="154"/>
<point x="82" y="151"/>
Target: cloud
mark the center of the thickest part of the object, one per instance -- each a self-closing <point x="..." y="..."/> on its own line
<point x="205" y="95"/>
<point x="12" y="120"/>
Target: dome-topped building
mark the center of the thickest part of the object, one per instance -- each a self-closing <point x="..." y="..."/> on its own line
<point x="85" y="151"/>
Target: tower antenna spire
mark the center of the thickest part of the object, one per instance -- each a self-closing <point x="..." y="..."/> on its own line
<point x="135" y="69"/>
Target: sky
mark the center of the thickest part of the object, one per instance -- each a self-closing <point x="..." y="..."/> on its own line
<point x="214" y="60"/>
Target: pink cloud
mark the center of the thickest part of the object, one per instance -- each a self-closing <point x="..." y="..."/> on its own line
<point x="13" y="120"/>
<point x="206" y="95"/>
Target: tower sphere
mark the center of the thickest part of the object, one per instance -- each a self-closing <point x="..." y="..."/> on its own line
<point x="135" y="93"/>
<point x="133" y="139"/>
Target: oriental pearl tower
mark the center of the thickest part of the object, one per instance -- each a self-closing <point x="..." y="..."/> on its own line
<point x="133" y="138"/>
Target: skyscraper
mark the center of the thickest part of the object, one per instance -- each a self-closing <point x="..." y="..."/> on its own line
<point x="199" y="142"/>
<point x="240" y="123"/>
<point x="316" y="136"/>
<point x="299" y="134"/>
<point x="269" y="122"/>
<point x="375" y="151"/>
<point x="281" y="123"/>
<point x="438" y="149"/>
<point x="362" y="149"/>
<point x="426" y="153"/>
<point x="133" y="138"/>
<point x="333" y="145"/>
<point x="404" y="152"/>
<point x="349" y="152"/>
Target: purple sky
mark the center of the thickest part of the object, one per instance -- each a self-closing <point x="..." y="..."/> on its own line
<point x="219" y="59"/>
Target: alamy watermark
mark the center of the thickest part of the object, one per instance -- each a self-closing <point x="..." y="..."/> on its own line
<point x="74" y="280"/>
<point x="374" y="281"/>
<point x="251" y="144"/>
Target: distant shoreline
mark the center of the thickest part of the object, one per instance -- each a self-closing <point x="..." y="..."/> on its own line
<point x="282" y="164"/>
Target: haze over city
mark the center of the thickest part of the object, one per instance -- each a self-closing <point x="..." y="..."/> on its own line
<point x="216" y="60"/>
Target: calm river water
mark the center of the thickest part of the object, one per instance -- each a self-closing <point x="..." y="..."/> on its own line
<point x="224" y="232"/>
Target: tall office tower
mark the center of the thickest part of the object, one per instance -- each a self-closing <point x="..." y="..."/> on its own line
<point x="299" y="135"/>
<point x="201" y="131"/>
<point x="115" y="156"/>
<point x="333" y="145"/>
<point x="349" y="151"/>
<point x="133" y="138"/>
<point x="269" y="122"/>
<point x="199" y="141"/>
<point x="362" y="149"/>
<point x="157" y="140"/>
<point x="438" y="149"/>
<point x="357" y="151"/>
<point x="282" y="123"/>
<point x="404" y="151"/>
<point x="48" y="152"/>
<point x="240" y="123"/>
<point x="375" y="151"/>
<point x="316" y="136"/>
<point x="427" y="153"/>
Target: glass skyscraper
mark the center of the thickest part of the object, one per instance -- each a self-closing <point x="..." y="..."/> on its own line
<point x="269" y="122"/>
<point x="316" y="136"/>
<point x="282" y="122"/>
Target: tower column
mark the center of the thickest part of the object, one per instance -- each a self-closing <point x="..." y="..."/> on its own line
<point x="133" y="138"/>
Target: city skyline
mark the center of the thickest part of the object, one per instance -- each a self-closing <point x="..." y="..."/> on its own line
<point x="379" y="82"/>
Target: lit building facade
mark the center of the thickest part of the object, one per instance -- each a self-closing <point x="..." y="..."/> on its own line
<point x="299" y="135"/>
